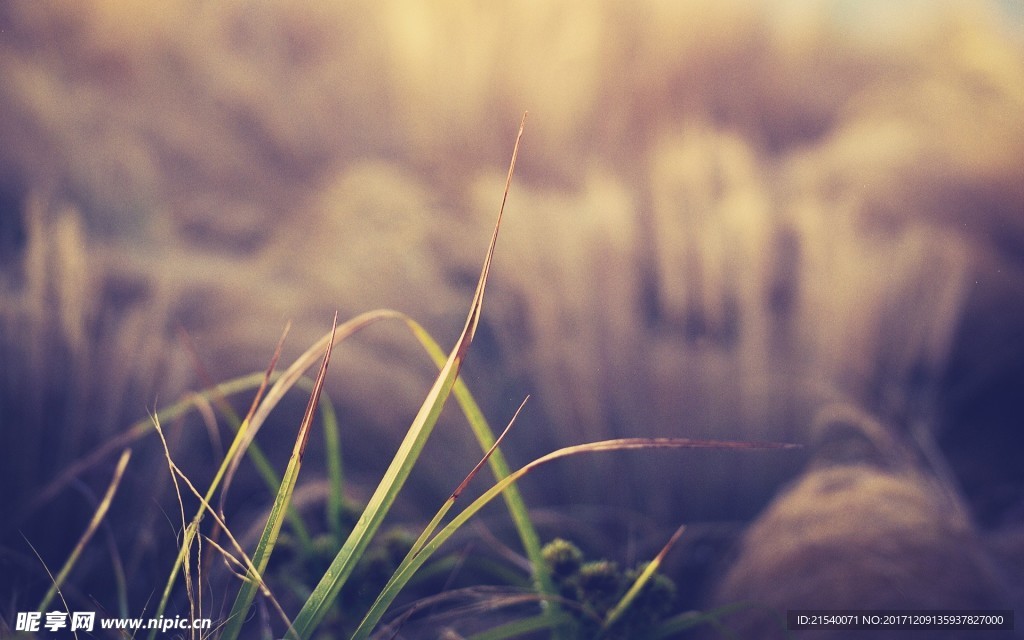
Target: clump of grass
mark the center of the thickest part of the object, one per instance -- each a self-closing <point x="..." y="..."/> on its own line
<point x="348" y="571"/>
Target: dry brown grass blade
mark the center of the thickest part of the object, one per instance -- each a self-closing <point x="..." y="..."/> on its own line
<point x="230" y="474"/>
<point x="244" y="560"/>
<point x="314" y="398"/>
<point x="487" y="456"/>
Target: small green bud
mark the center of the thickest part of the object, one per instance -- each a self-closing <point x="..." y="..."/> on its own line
<point x="600" y="585"/>
<point x="563" y="557"/>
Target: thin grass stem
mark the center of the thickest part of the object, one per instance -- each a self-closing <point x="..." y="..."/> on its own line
<point x="94" y="523"/>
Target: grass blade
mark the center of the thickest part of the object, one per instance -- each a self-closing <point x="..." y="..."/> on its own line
<point x="319" y="602"/>
<point x="189" y="531"/>
<point x="485" y="437"/>
<point x="335" y="478"/>
<point x="272" y="530"/>
<point x="377" y="610"/>
<point x="94" y="523"/>
<point x="641" y="580"/>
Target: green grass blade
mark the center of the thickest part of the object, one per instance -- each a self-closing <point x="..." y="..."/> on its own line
<point x="272" y="529"/>
<point x="366" y="624"/>
<point x="327" y="589"/>
<point x="335" y="478"/>
<point x="485" y="437"/>
<point x="645" y="576"/>
<point x="94" y="523"/>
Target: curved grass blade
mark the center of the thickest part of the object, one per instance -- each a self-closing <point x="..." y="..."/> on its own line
<point x="431" y="527"/>
<point x="94" y="523"/>
<point x="413" y="562"/>
<point x="141" y="428"/>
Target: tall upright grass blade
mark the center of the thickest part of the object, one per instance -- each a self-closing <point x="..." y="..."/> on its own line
<point x="94" y="523"/>
<point x="324" y="594"/>
<point x="272" y="529"/>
